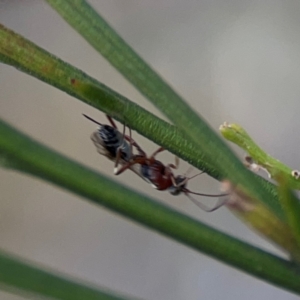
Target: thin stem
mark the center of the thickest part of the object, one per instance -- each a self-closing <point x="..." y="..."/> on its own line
<point x="262" y="160"/>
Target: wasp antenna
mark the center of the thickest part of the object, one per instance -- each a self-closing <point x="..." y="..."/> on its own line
<point x="196" y="175"/>
<point x="203" y="206"/>
<point x="185" y="190"/>
<point x="89" y="118"/>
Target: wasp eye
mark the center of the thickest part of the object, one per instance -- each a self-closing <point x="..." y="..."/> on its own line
<point x="175" y="190"/>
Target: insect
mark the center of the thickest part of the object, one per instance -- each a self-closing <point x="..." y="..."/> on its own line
<point x="113" y="144"/>
<point x="162" y="178"/>
<point x="118" y="147"/>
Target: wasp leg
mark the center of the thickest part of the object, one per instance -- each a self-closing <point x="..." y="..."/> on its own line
<point x="134" y="144"/>
<point x="174" y="166"/>
<point x="128" y="165"/>
<point x="111" y="121"/>
<point x="160" y="149"/>
<point x="220" y="203"/>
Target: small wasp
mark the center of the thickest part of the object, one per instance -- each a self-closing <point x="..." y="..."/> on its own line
<point x="118" y="147"/>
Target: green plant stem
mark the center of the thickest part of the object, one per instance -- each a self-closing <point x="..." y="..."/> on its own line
<point x="104" y="39"/>
<point x="17" y="276"/>
<point x="27" y="57"/>
<point x="19" y="152"/>
<point x="275" y="168"/>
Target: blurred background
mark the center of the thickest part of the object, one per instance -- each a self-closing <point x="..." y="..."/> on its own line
<point x="235" y="61"/>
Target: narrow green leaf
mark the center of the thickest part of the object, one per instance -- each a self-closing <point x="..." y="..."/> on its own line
<point x="18" y="276"/>
<point x="29" y="58"/>
<point x="28" y="156"/>
<point x="104" y="39"/>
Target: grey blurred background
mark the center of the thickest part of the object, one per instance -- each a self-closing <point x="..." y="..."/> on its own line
<point x="235" y="61"/>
